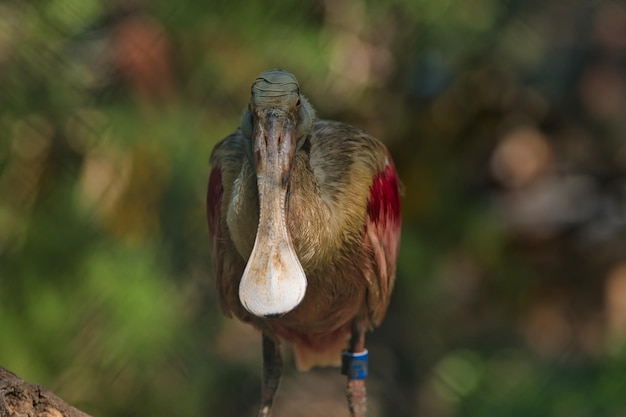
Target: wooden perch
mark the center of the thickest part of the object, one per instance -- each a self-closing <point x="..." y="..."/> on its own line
<point x="19" y="398"/>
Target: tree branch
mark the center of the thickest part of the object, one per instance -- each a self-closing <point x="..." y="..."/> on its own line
<point x="19" y="398"/>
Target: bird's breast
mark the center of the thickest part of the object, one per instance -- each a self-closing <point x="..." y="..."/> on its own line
<point x="317" y="235"/>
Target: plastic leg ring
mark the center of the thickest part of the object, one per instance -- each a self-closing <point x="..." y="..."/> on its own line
<point x="354" y="365"/>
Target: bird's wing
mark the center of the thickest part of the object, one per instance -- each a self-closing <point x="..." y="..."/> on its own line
<point x="227" y="264"/>
<point x="382" y="235"/>
<point x="214" y="207"/>
<point x="214" y="218"/>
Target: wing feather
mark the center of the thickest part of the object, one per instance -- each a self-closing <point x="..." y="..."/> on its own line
<point x="213" y="204"/>
<point x="382" y="235"/>
<point x="215" y="192"/>
<point x="226" y="263"/>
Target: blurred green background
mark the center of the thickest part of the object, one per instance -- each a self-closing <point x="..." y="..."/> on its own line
<point x="507" y="121"/>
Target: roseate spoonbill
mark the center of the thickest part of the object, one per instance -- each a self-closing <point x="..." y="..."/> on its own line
<point x="304" y="224"/>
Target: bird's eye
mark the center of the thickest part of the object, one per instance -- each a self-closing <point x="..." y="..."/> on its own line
<point x="298" y="102"/>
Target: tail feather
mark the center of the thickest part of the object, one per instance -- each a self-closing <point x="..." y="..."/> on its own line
<point x="321" y="351"/>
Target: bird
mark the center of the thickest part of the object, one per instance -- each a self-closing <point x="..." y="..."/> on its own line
<point x="304" y="224"/>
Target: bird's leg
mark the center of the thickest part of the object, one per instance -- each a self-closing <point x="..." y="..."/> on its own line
<point x="272" y="367"/>
<point x="354" y="366"/>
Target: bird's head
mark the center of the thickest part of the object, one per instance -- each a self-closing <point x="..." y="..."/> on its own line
<point x="277" y="121"/>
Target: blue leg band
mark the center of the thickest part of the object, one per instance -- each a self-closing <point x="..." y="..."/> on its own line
<point x="354" y="365"/>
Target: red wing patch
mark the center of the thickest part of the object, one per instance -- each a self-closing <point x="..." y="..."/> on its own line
<point x="382" y="235"/>
<point x="384" y="202"/>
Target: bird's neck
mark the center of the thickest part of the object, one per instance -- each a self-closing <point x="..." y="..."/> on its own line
<point x="318" y="221"/>
<point x="315" y="234"/>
